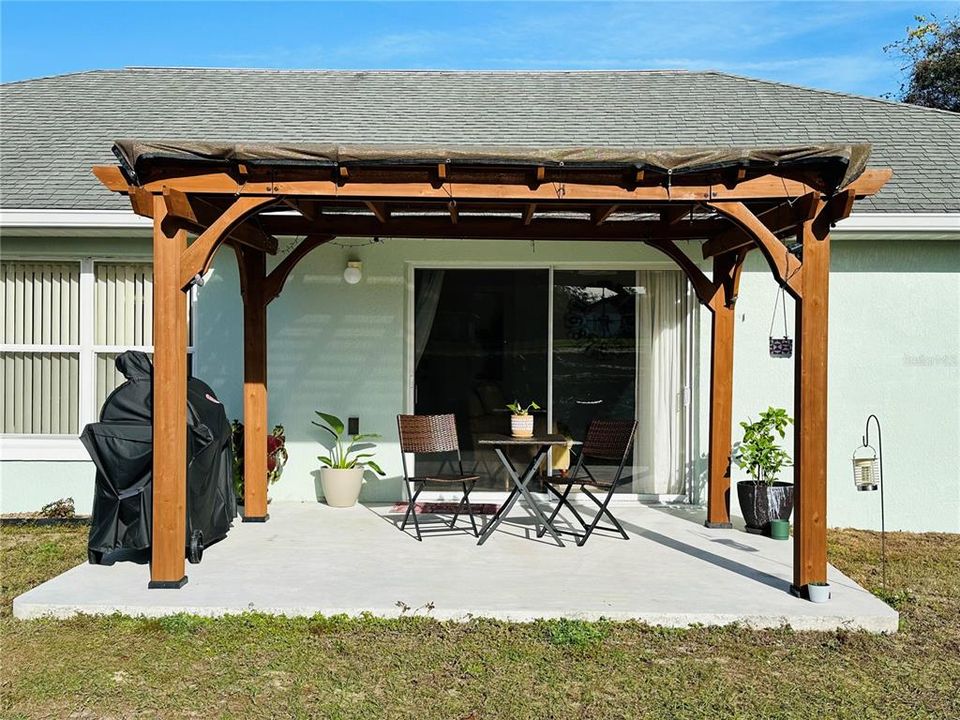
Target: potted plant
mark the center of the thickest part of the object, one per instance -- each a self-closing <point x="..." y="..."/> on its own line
<point x="276" y="456"/>
<point x="818" y="592"/>
<point x="764" y="498"/>
<point x="342" y="472"/>
<point x="521" y="421"/>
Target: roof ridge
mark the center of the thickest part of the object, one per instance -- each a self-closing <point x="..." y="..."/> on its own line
<point x="61" y="75"/>
<point x="414" y="71"/>
<point x="838" y="93"/>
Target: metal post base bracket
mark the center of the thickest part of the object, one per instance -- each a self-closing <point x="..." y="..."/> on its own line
<point x="167" y="584"/>
<point x="255" y="518"/>
<point x="718" y="526"/>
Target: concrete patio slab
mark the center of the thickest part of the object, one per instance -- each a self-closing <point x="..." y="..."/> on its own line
<point x="309" y="558"/>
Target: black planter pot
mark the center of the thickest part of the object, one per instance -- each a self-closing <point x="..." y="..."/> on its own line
<point x="760" y="503"/>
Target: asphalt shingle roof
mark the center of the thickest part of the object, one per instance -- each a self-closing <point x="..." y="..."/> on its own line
<point x="54" y="129"/>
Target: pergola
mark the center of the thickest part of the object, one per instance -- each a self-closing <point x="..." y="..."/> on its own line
<point x="781" y="201"/>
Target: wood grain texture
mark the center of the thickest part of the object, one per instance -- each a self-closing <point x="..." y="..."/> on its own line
<point x="810" y="410"/>
<point x="254" y="384"/>
<point x="169" y="404"/>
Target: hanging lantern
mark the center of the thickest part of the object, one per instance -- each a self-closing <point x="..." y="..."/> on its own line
<point x="866" y="468"/>
<point x="780" y="347"/>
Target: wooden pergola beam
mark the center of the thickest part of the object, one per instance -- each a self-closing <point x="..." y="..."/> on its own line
<point x="767" y="187"/>
<point x="492" y="228"/>
<point x="198" y="215"/>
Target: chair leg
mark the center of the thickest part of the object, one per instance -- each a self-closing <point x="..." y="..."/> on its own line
<point x="456" y="513"/>
<point x="412" y="509"/>
<point x="563" y="501"/>
<point x="466" y="499"/>
<point x="603" y="511"/>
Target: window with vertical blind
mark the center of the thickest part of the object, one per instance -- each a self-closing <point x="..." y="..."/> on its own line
<point x="63" y="324"/>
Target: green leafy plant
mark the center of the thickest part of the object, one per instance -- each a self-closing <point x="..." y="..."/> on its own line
<point x="62" y="509"/>
<point x="276" y="455"/>
<point x="345" y="455"/>
<point x="517" y="409"/>
<point x="758" y="453"/>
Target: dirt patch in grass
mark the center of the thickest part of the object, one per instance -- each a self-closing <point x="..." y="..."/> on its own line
<point x="256" y="665"/>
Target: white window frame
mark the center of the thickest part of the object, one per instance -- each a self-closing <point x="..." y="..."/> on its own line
<point x="66" y="447"/>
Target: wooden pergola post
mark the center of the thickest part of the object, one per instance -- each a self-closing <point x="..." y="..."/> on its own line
<point x="721" y="416"/>
<point x="169" y="406"/>
<point x="810" y="409"/>
<point x="254" y="267"/>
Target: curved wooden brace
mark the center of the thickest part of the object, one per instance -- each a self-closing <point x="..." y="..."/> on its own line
<point x="273" y="284"/>
<point x="702" y="286"/>
<point x="196" y="259"/>
<point x="785" y="267"/>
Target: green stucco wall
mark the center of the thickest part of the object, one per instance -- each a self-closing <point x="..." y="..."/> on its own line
<point x="894" y="347"/>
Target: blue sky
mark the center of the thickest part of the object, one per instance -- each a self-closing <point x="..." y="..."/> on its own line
<point x="833" y="45"/>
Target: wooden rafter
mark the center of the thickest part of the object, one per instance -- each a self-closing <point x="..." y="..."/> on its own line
<point x="494" y="228"/>
<point x="380" y="211"/>
<point x="528" y="212"/>
<point x="781" y="218"/>
<point x="600" y="215"/>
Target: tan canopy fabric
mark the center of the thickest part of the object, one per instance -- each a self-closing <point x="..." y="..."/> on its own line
<point x="838" y="164"/>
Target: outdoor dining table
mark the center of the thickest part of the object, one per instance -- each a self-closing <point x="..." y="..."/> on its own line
<point x="500" y="443"/>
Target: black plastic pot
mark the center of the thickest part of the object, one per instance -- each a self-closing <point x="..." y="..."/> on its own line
<point x="760" y="503"/>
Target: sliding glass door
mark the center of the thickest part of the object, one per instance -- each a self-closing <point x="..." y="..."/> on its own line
<point x="480" y="342"/>
<point x="583" y="344"/>
<point x="594" y="351"/>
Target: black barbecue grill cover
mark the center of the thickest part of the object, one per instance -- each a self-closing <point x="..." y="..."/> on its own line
<point x="121" y="447"/>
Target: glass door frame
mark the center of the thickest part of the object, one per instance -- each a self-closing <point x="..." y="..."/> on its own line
<point x="691" y="354"/>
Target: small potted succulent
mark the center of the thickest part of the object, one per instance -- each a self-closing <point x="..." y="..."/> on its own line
<point x="521" y="421"/>
<point x="342" y="473"/>
<point x="764" y="498"/>
<point x="276" y="456"/>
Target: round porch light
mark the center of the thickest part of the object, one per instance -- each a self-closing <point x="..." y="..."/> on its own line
<point x="353" y="272"/>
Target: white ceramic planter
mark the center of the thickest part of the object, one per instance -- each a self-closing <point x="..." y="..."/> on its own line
<point x="818" y="593"/>
<point x="341" y="488"/>
<point x="521" y="425"/>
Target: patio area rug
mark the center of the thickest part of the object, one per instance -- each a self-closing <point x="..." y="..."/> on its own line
<point x="447" y="508"/>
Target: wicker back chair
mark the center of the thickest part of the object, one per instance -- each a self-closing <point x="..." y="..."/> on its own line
<point x="432" y="435"/>
<point x="606" y="440"/>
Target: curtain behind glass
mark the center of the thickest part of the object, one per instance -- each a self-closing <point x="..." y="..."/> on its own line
<point x="659" y="443"/>
<point x="429" y="285"/>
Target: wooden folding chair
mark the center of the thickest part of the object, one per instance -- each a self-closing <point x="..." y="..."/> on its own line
<point x="433" y="434"/>
<point x="606" y="440"/>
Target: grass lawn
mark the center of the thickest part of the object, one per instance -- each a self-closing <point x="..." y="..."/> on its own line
<point x="259" y="666"/>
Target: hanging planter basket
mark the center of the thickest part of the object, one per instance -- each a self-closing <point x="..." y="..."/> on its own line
<point x="780" y="347"/>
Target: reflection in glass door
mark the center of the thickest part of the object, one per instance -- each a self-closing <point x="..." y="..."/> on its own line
<point x="594" y="350"/>
<point x="480" y="342"/>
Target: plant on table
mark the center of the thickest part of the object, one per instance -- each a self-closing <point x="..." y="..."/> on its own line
<point x="276" y="455"/>
<point x="342" y="469"/>
<point x="521" y="421"/>
<point x="764" y="498"/>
